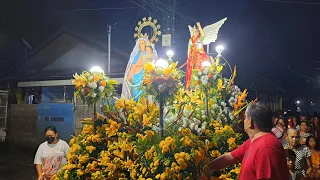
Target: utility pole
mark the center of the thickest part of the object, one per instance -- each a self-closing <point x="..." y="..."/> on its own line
<point x="173" y="20"/>
<point x="109" y="49"/>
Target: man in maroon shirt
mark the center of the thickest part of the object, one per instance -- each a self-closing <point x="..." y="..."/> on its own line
<point x="262" y="156"/>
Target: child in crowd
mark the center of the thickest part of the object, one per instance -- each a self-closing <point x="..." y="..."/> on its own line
<point x="291" y="160"/>
<point x="315" y="157"/>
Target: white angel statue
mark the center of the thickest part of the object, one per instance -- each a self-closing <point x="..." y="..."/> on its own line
<point x="196" y="53"/>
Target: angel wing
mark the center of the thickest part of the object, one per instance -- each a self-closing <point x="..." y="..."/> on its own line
<point x="211" y="31"/>
<point x="190" y="29"/>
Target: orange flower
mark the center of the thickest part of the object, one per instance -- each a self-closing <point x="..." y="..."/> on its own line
<point x="240" y="102"/>
<point x="103" y="83"/>
<point x="233" y="77"/>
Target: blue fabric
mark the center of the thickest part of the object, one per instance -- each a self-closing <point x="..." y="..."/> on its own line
<point x="137" y="79"/>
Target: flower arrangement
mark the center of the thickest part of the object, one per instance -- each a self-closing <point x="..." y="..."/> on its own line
<point x="198" y="128"/>
<point x="93" y="87"/>
<point x="163" y="82"/>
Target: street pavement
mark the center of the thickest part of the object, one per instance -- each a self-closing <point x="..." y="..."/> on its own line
<point x="17" y="166"/>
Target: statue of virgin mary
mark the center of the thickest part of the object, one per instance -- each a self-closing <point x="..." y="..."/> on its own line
<point x="142" y="53"/>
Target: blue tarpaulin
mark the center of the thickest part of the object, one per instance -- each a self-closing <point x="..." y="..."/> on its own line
<point x="60" y="115"/>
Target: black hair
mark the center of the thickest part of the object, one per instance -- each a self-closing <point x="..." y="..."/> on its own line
<point x="303" y="122"/>
<point x="308" y="139"/>
<point x="261" y="115"/>
<point x="291" y="155"/>
<point x="51" y="128"/>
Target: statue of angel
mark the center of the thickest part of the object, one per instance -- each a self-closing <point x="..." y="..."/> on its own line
<point x="200" y="37"/>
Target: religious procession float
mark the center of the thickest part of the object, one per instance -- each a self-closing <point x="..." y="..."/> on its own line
<point x="160" y="128"/>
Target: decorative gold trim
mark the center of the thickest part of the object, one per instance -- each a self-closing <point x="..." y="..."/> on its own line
<point x="155" y="29"/>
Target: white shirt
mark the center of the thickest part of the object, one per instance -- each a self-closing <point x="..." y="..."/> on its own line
<point x="52" y="156"/>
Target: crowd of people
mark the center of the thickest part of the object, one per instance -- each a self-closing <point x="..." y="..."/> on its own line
<point x="299" y="137"/>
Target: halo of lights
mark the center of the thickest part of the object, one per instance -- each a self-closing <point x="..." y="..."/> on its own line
<point x="205" y="64"/>
<point x="96" y="69"/>
<point x="219" y="49"/>
<point x="170" y="54"/>
<point x="161" y="63"/>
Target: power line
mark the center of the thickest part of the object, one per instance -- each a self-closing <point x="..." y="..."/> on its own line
<point x="292" y="2"/>
<point x="136" y="19"/>
<point x="99" y="9"/>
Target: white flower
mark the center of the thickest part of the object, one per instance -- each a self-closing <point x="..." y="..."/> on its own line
<point x="204" y="124"/>
<point x="204" y="78"/>
<point x="204" y="82"/>
<point x="203" y="111"/>
<point x="223" y="104"/>
<point x="206" y="71"/>
<point x="197" y="109"/>
<point x="179" y="129"/>
<point x="191" y="126"/>
<point x="184" y="125"/>
<point x="198" y="116"/>
<point x="94" y="95"/>
<point x="101" y="88"/>
<point x="197" y="122"/>
<point x="90" y="78"/>
<point x="204" y="116"/>
<point x="196" y="127"/>
<point x="186" y="112"/>
<point x="214" y="77"/>
<point x="94" y="85"/>
<point x="200" y="131"/>
<point x="199" y="73"/>
<point x="195" y="78"/>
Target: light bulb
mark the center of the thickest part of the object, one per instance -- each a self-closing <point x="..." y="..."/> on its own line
<point x="96" y="69"/>
<point x="219" y="49"/>
<point x="205" y="64"/>
<point x="170" y="54"/>
<point x="161" y="63"/>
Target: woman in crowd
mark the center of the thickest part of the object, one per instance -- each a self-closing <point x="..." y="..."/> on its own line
<point x="303" y="132"/>
<point x="51" y="155"/>
<point x="315" y="157"/>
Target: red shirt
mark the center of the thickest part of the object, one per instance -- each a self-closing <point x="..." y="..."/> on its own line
<point x="264" y="158"/>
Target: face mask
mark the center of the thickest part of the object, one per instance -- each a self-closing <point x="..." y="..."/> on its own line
<point x="49" y="139"/>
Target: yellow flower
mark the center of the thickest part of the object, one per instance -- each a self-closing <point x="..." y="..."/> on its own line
<point x="215" y="153"/>
<point x="158" y="176"/>
<point x="83" y="158"/>
<point x="219" y="68"/>
<point x="118" y="153"/>
<point x="112" y="128"/>
<point x="148" y="67"/>
<point x="90" y="149"/>
<point x="232" y="143"/>
<point x="146" y="120"/>
<point x="92" y="166"/>
<point x="128" y="164"/>
<point x="80" y="172"/>
<point x="95" y="77"/>
<point x="87" y="129"/>
<point x="199" y="156"/>
<point x="185" y="131"/>
<point x="186" y="141"/>
<point x="71" y="166"/>
<point x="72" y="141"/>
<point x="220" y="84"/>
<point x="149" y="134"/>
<point x="66" y="174"/>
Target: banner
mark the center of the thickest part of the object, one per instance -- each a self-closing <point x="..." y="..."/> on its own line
<point x="60" y="115"/>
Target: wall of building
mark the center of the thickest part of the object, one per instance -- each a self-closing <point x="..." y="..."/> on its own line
<point x="22" y="126"/>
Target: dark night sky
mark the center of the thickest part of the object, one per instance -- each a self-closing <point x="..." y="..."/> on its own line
<point x="274" y="40"/>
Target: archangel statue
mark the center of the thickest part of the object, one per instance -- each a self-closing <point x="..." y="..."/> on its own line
<point x="200" y="37"/>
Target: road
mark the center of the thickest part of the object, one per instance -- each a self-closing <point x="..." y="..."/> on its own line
<point x="14" y="166"/>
